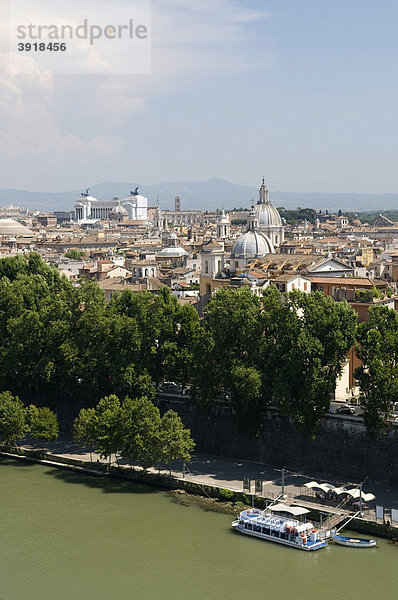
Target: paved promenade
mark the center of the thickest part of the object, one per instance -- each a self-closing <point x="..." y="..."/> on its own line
<point x="229" y="473"/>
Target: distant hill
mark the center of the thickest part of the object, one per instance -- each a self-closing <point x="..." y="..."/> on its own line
<point x="201" y="195"/>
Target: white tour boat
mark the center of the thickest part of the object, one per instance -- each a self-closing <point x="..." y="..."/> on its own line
<point x="286" y="530"/>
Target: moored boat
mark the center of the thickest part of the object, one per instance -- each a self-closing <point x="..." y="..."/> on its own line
<point x="285" y="530"/>
<point x="351" y="542"/>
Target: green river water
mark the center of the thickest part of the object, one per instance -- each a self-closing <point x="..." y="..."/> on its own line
<point x="69" y="537"/>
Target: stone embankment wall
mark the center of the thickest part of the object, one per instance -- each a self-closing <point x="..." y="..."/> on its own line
<point x="342" y="446"/>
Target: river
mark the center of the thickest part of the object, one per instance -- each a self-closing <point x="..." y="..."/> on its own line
<point x="65" y="536"/>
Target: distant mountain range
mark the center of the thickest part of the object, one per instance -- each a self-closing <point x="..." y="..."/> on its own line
<point x="201" y="195"/>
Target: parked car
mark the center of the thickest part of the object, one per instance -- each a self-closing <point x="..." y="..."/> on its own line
<point x="345" y="410"/>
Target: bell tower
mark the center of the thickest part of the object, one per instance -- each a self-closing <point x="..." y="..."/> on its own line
<point x="223" y="227"/>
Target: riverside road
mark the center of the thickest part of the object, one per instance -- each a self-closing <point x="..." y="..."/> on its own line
<point x="229" y="473"/>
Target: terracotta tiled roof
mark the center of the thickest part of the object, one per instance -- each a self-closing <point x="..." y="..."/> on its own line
<point x="359" y="281"/>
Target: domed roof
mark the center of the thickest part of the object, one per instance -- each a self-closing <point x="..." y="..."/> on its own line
<point x="119" y="210"/>
<point x="265" y="211"/>
<point x="173" y="252"/>
<point x="13" y="228"/>
<point x="268" y="215"/>
<point x="252" y="244"/>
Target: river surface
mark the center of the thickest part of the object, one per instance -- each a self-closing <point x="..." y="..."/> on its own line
<point x="65" y="536"/>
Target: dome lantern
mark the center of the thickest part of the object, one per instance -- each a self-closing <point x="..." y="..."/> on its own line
<point x="263" y="193"/>
<point x="269" y="219"/>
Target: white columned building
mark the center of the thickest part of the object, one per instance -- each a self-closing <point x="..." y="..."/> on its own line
<point x="88" y="209"/>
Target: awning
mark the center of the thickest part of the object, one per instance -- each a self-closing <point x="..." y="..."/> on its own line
<point x="367" y="497"/>
<point x="341" y="490"/>
<point x="293" y="510"/>
<point x="328" y="487"/>
<point x="325" y="487"/>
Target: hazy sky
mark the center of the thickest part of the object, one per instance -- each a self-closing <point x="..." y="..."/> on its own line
<point x="304" y="92"/>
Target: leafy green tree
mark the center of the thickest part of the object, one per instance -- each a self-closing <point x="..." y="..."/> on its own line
<point x="377" y="348"/>
<point x="12" y="419"/>
<point x="141" y="423"/>
<point x="108" y="427"/>
<point x="227" y="351"/>
<point x="175" y="439"/>
<point x="42" y="423"/>
<point x="167" y="333"/>
<point x="306" y="347"/>
<point x="84" y="429"/>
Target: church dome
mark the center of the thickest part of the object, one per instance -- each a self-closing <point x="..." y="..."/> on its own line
<point x="252" y="244"/>
<point x="265" y="211"/>
<point x="173" y="252"/>
<point x="13" y="228"/>
<point x="119" y="210"/>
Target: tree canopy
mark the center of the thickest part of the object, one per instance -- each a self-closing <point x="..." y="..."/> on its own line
<point x="134" y="431"/>
<point x="286" y="351"/>
<point x="63" y="345"/>
<point x="377" y="348"/>
<point x="17" y="421"/>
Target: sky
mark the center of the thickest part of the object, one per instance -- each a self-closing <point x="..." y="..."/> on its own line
<point x="305" y="93"/>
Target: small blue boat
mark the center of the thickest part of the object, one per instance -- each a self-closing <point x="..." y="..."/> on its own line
<point x="354" y="542"/>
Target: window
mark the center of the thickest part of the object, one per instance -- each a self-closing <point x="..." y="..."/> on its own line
<point x="206" y="266"/>
<point x="305" y="286"/>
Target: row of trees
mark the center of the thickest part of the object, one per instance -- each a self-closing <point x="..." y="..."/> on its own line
<point x="134" y="431"/>
<point x="17" y="421"/>
<point x="65" y="347"/>
<point x="286" y="353"/>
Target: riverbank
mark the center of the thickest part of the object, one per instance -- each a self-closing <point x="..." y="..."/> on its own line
<point x="214" y="495"/>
